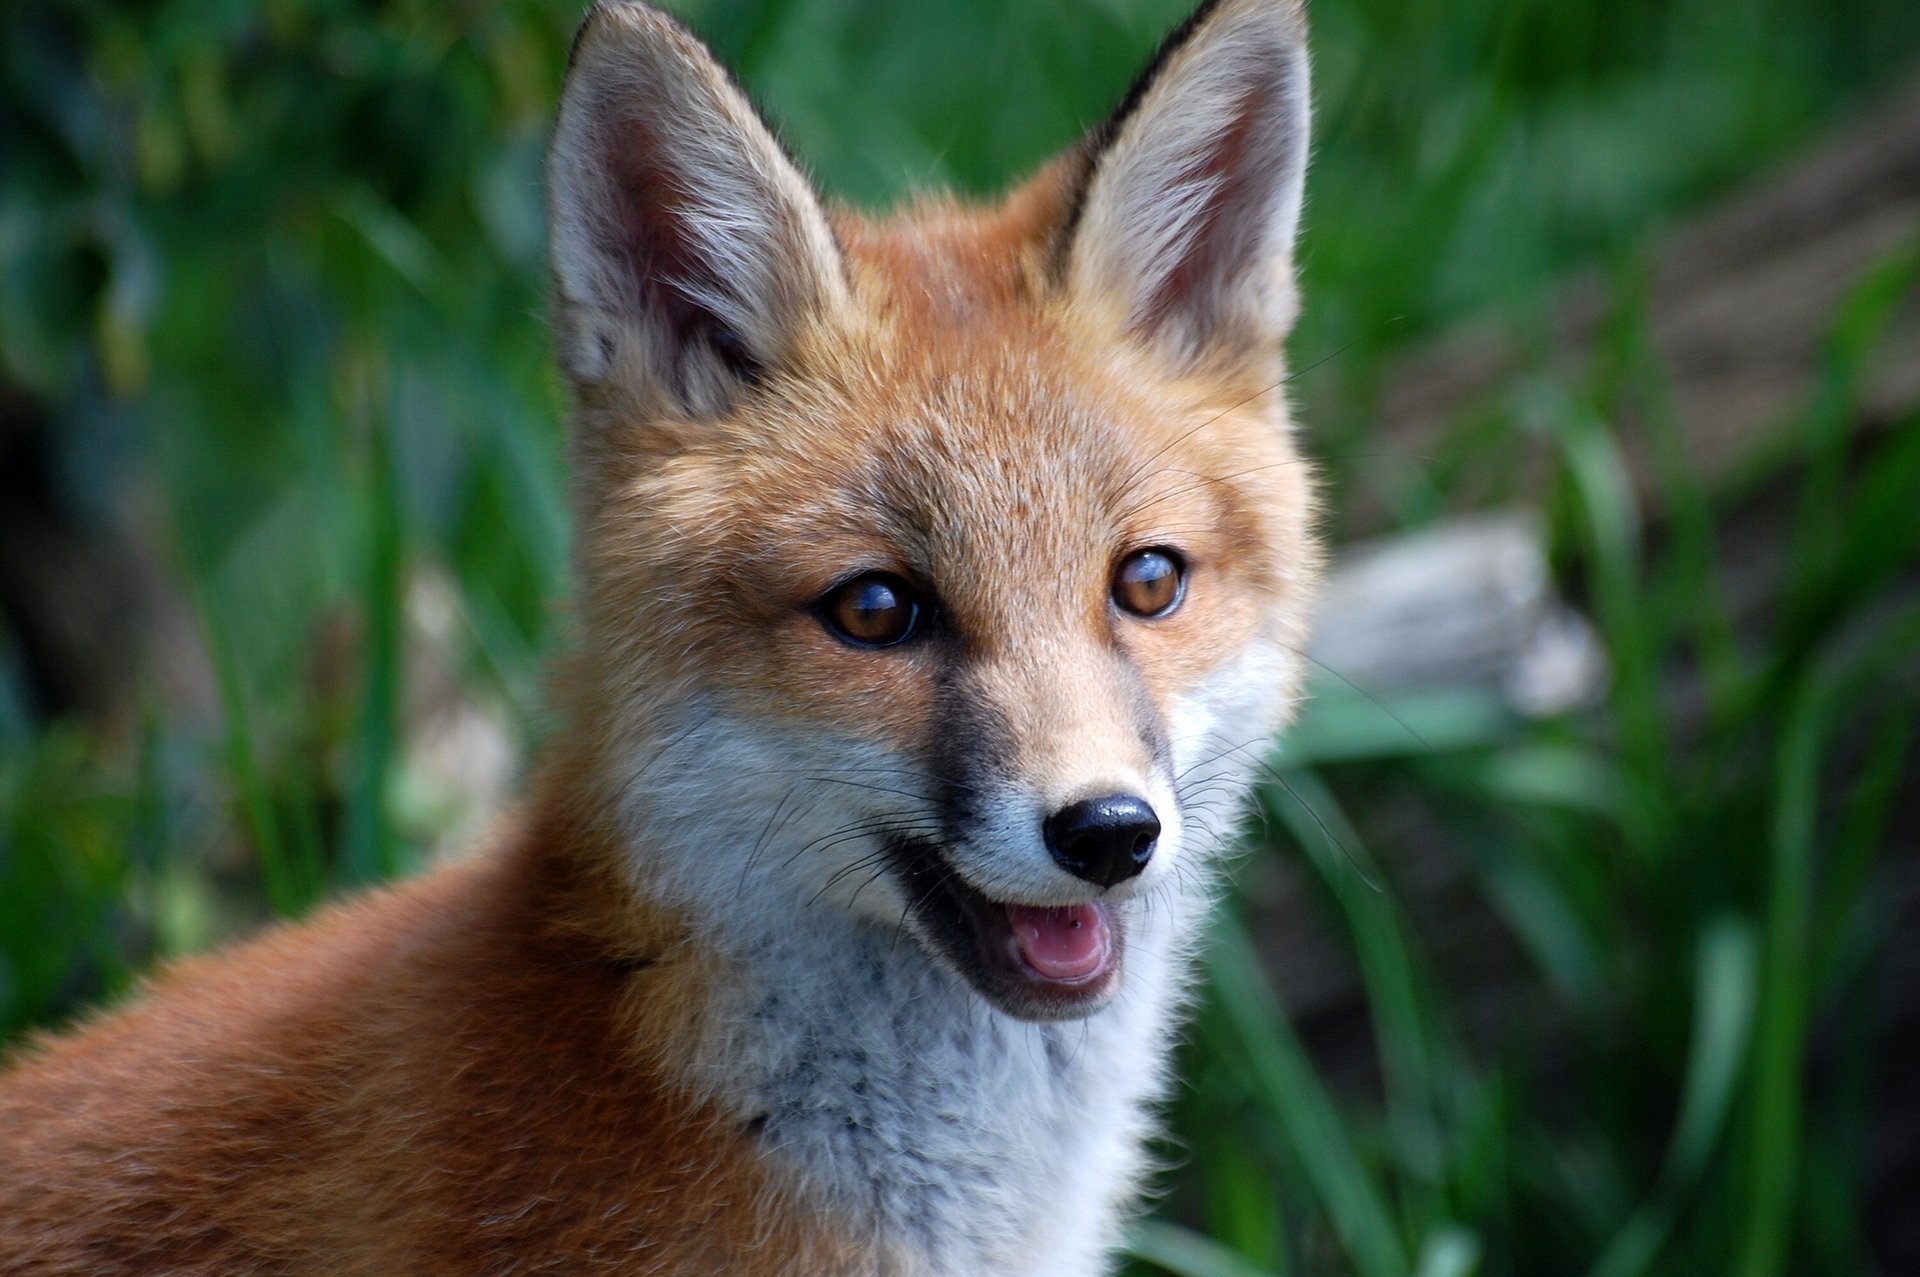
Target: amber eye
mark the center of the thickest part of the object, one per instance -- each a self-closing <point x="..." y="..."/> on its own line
<point x="872" y="610"/>
<point x="1149" y="582"/>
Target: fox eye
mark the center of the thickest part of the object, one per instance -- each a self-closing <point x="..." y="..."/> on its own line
<point x="1150" y="583"/>
<point x="875" y="609"/>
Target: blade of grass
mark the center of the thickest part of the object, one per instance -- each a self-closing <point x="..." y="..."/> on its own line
<point x="370" y="853"/>
<point x="1692" y="554"/>
<point x="1321" y="828"/>
<point x="1610" y="520"/>
<point x="1725" y="975"/>
<point x="1537" y="909"/>
<point x="278" y="872"/>
<point x="1857" y="331"/>
<point x="1774" y="1147"/>
<point x="1341" y="724"/>
<point x="1572" y="778"/>
<point x="1450" y="1252"/>
<point x="1306" y="1114"/>
<point x="1185" y="1253"/>
<point x="1883" y="773"/>
<point x="1787" y="981"/>
<point x="1237" y="1187"/>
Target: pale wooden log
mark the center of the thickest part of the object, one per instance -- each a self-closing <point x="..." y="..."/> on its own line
<point x="1467" y="602"/>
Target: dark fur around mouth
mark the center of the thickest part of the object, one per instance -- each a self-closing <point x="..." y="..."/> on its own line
<point x="974" y="936"/>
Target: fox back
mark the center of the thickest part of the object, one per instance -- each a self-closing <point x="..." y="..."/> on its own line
<point x="941" y="581"/>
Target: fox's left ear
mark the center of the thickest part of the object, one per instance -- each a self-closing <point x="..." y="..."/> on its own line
<point x="1183" y="222"/>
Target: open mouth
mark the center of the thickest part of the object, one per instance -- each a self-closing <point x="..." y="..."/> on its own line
<point x="1036" y="963"/>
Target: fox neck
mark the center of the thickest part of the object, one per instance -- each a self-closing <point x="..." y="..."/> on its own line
<point x="965" y="1140"/>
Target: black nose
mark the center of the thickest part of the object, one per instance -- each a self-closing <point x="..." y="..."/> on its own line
<point x="1103" y="840"/>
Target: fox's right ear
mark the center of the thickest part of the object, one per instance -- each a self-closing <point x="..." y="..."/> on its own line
<point x="687" y="250"/>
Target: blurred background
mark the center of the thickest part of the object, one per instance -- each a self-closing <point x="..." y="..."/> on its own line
<point x="1576" y="931"/>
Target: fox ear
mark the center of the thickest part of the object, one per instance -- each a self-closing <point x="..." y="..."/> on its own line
<point x="688" y="252"/>
<point x="1184" y="221"/>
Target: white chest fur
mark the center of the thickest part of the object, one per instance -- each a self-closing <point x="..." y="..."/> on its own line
<point x="967" y="1141"/>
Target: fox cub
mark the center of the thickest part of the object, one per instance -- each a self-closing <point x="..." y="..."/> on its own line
<point x="940" y="579"/>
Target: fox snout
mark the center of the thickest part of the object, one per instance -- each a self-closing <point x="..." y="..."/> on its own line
<point x="1060" y="768"/>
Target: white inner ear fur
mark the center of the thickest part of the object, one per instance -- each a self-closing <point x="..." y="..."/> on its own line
<point x="1189" y="218"/>
<point x="676" y="218"/>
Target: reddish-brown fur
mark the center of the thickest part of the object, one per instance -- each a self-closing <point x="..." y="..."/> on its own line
<point x="448" y="1077"/>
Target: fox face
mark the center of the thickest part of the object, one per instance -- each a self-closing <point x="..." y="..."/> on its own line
<point x="943" y="576"/>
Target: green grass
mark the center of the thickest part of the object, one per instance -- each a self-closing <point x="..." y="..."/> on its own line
<point x="276" y="271"/>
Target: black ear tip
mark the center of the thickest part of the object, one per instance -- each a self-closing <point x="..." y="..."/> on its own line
<point x="595" y="14"/>
<point x="1094" y="146"/>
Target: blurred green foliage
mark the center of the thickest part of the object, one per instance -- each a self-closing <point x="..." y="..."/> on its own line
<point x="273" y="273"/>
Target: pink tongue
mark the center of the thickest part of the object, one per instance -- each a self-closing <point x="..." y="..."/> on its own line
<point x="1071" y="943"/>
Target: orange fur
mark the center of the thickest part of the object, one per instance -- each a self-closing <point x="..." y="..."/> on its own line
<point x="451" y="1076"/>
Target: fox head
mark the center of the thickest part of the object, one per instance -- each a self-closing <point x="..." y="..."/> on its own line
<point x="944" y="574"/>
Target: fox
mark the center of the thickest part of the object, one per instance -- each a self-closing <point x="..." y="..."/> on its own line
<point x="941" y="578"/>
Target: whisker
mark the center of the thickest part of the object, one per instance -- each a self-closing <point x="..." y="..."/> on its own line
<point x="1134" y="510"/>
<point x="766" y="832"/>
<point x="1354" y="687"/>
<point x="1326" y="831"/>
<point x="850" y="833"/>
<point x="846" y="871"/>
<point x="878" y="789"/>
<point x="1297" y="373"/>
